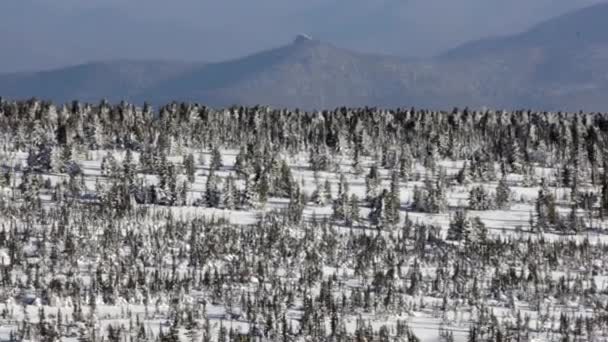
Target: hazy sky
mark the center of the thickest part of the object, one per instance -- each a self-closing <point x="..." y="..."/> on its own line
<point x="49" y="33"/>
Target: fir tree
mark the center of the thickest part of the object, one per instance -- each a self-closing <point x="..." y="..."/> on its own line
<point x="479" y="199"/>
<point x="460" y="227"/>
<point x="353" y="210"/>
<point x="212" y="193"/>
<point x="262" y="189"/>
<point x="216" y="159"/>
<point x="393" y="200"/>
<point x="327" y="197"/>
<point x="230" y="193"/>
<point x="503" y="194"/>
<point x="372" y="184"/>
<point x="248" y="196"/>
<point x="463" y="176"/>
<point x="189" y="167"/>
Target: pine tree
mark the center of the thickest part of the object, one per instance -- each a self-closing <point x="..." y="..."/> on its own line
<point x="546" y="212"/>
<point x="262" y="189"/>
<point x="216" y="159"/>
<point x="339" y="207"/>
<point x="431" y="199"/>
<point x="479" y="232"/>
<point x="479" y="199"/>
<point x="343" y="187"/>
<point x="503" y="194"/>
<point x="357" y="167"/>
<point x="393" y="200"/>
<point x="189" y="167"/>
<point x="284" y="181"/>
<point x="212" y="193"/>
<point x="316" y="197"/>
<point x="463" y="176"/>
<point x="514" y="156"/>
<point x="240" y="163"/>
<point x="405" y="163"/>
<point x="460" y="227"/>
<point x="327" y="197"/>
<point x="353" y="211"/>
<point x="295" y="207"/>
<point x="65" y="158"/>
<point x="230" y="193"/>
<point x="372" y="184"/>
<point x="604" y="196"/>
<point x="377" y="214"/>
<point x="39" y="160"/>
<point x="248" y="196"/>
<point x="192" y="329"/>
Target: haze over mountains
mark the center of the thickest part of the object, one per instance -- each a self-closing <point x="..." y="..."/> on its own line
<point x="561" y="63"/>
<point x="43" y="34"/>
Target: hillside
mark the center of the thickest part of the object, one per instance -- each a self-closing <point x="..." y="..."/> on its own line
<point x="559" y="64"/>
<point x="116" y="80"/>
<point x="307" y="74"/>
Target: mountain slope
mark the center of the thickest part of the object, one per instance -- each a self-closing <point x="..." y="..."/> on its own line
<point x="116" y="80"/>
<point x="313" y="75"/>
<point x="559" y="64"/>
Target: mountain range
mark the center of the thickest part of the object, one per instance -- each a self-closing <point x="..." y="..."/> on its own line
<point x="561" y="63"/>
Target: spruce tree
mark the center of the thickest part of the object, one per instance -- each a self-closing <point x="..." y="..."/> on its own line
<point x="189" y="167"/>
<point x="503" y="194"/>
<point x="327" y="197"/>
<point x="460" y="226"/>
<point x="372" y="184"/>
<point x="216" y="159"/>
<point x="262" y="188"/>
<point x="212" y="192"/>
<point x="393" y="200"/>
<point x="354" y="212"/>
<point x="479" y="199"/>
<point x="230" y="193"/>
<point x="248" y="196"/>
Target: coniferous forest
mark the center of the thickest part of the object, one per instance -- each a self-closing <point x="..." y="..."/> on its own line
<point x="186" y="223"/>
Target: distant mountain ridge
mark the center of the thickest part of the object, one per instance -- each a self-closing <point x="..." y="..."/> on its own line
<point x="113" y="80"/>
<point x="559" y="64"/>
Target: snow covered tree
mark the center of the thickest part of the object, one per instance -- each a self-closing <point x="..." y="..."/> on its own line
<point x="405" y="163"/>
<point x="189" y="167"/>
<point x="393" y="200"/>
<point x="262" y="189"/>
<point x="230" y="193"/>
<point x="339" y="207"/>
<point x="212" y="192"/>
<point x="479" y="232"/>
<point x="353" y="213"/>
<point x="295" y="208"/>
<point x="216" y="159"/>
<point x="284" y="181"/>
<point x="317" y="197"/>
<point x="372" y="184"/>
<point x="503" y="194"/>
<point x="546" y="213"/>
<point x="479" y="199"/>
<point x="327" y="191"/>
<point x="248" y="196"/>
<point x="241" y="165"/>
<point x="463" y="176"/>
<point x="377" y="214"/>
<point x="39" y="159"/>
<point x="460" y="226"/>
